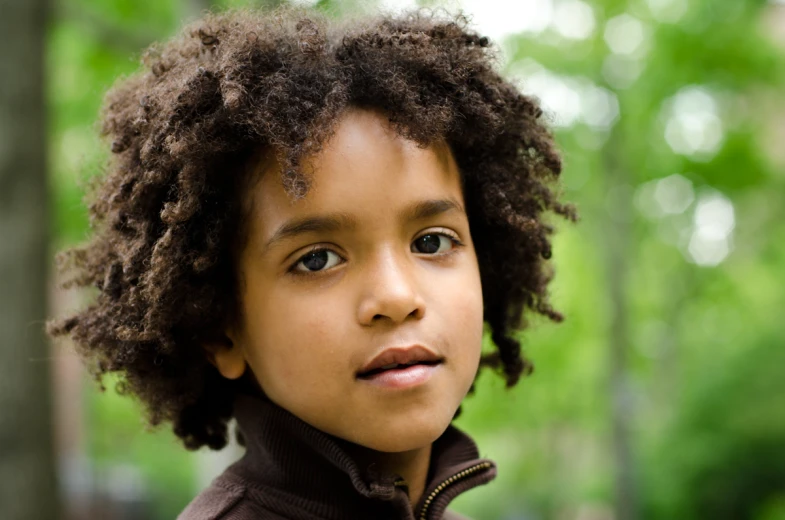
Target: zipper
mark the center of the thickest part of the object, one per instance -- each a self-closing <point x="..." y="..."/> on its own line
<point x="441" y="487"/>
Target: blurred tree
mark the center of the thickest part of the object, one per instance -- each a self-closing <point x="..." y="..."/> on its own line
<point x="27" y="462"/>
<point x="726" y="457"/>
<point x="617" y="242"/>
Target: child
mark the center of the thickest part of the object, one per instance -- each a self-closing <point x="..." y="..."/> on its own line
<point x="305" y="225"/>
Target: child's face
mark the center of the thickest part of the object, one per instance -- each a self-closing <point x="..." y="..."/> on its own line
<point x="312" y="321"/>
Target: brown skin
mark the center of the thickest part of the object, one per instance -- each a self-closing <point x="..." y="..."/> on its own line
<point x="306" y="334"/>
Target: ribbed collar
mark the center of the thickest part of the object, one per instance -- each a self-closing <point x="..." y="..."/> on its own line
<point x="301" y="472"/>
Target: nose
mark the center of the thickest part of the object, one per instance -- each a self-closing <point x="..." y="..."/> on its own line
<point x="390" y="291"/>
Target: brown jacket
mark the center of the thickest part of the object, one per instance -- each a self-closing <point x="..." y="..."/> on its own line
<point x="292" y="471"/>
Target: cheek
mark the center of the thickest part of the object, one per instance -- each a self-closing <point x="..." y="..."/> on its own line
<point x="468" y="298"/>
<point x="462" y="307"/>
<point x="293" y="344"/>
<point x="469" y="313"/>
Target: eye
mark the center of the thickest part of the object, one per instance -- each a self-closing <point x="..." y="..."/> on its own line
<point x="317" y="260"/>
<point x="434" y="243"/>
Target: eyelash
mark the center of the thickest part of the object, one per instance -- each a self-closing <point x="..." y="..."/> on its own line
<point x="452" y="237"/>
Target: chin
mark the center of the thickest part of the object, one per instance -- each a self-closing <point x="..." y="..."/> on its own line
<point x="408" y="433"/>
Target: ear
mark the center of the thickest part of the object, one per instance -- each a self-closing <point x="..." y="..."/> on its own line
<point x="227" y="357"/>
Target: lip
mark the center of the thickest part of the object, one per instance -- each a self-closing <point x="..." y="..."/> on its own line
<point x="402" y="378"/>
<point x="400" y="356"/>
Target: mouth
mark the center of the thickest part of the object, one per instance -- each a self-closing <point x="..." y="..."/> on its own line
<point x="399" y="359"/>
<point x="395" y="367"/>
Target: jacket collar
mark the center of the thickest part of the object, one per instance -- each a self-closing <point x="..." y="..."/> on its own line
<point x="312" y="471"/>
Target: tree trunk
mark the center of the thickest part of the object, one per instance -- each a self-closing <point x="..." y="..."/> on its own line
<point x="28" y="477"/>
<point x="617" y="246"/>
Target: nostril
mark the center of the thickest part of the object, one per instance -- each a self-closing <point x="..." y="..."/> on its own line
<point x="416" y="313"/>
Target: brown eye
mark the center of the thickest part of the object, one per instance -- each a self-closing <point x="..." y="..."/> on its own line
<point x="432" y="244"/>
<point x="317" y="261"/>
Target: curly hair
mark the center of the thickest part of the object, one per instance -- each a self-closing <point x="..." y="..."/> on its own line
<point x="167" y="218"/>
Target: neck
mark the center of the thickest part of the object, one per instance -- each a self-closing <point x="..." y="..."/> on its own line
<point x="411" y="465"/>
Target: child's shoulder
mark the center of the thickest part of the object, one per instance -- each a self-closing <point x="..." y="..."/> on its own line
<point x="223" y="499"/>
<point x="219" y="500"/>
<point x="228" y="497"/>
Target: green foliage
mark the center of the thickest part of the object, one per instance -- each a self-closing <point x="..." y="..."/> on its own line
<point x="90" y="46"/>
<point x="722" y="457"/>
<point x="118" y="438"/>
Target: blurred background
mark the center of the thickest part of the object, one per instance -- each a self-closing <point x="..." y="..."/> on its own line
<point x="662" y="395"/>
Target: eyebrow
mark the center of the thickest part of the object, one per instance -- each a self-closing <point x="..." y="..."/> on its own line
<point x="420" y="210"/>
<point x="430" y="208"/>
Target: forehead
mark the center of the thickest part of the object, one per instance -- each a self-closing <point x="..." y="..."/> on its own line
<point x="365" y="169"/>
